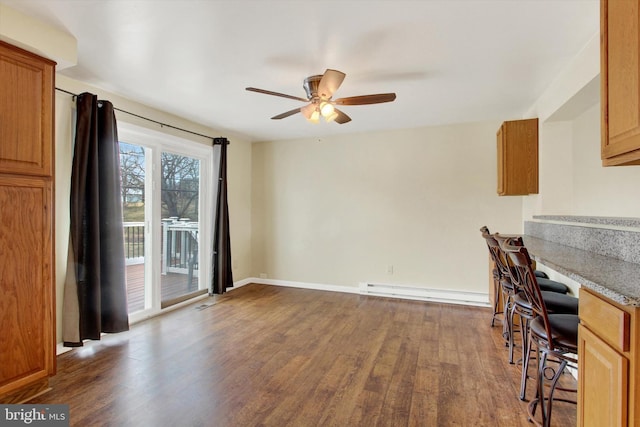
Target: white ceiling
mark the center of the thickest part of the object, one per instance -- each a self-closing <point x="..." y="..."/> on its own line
<point x="448" y="61"/>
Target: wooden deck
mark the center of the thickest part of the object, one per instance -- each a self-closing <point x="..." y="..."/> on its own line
<point x="173" y="286"/>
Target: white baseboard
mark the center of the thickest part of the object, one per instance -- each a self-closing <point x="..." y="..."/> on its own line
<point x="421" y="293"/>
<point x="387" y="290"/>
<point x="241" y="283"/>
<point x="305" y="285"/>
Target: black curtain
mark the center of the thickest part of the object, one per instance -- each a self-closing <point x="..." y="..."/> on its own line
<point x="222" y="274"/>
<point x="95" y="297"/>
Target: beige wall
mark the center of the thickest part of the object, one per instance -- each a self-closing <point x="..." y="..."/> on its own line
<point x="239" y="174"/>
<point x="555" y="164"/>
<point x="340" y="211"/>
<point x="572" y="179"/>
<point x="600" y="191"/>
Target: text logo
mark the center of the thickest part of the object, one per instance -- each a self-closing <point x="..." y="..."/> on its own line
<point x="34" y="415"/>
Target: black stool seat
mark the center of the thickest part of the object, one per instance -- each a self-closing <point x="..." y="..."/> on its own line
<point x="555" y="302"/>
<point x="564" y="330"/>
<point x="552" y="285"/>
<point x="560" y="303"/>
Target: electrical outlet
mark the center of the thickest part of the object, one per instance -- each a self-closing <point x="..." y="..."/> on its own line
<point x="389" y="269"/>
<point x="263" y="275"/>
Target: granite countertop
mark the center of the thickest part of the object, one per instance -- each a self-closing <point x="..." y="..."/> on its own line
<point x="595" y="220"/>
<point x="613" y="278"/>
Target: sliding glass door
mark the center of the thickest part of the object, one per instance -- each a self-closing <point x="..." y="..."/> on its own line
<point x="180" y="235"/>
<point x="167" y="201"/>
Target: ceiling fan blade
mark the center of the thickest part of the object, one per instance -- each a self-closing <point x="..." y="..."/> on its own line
<point x="287" y="114"/>
<point x="342" y="117"/>
<point x="329" y="83"/>
<point x="283" y="95"/>
<point x="366" y="99"/>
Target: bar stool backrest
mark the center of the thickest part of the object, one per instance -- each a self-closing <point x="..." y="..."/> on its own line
<point x="496" y="254"/>
<point x="523" y="277"/>
<point x="509" y="267"/>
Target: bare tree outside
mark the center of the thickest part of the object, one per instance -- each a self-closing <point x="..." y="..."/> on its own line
<point x="180" y="184"/>
<point x="132" y="170"/>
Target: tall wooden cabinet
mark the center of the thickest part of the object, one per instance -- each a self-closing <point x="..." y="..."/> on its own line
<point x="620" y="81"/>
<point x="608" y="363"/>
<point x="27" y="289"/>
<point x="518" y="158"/>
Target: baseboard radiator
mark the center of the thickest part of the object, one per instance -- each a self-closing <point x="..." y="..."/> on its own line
<point x="425" y="294"/>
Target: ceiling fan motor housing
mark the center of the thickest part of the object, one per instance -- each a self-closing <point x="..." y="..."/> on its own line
<point x="310" y="86"/>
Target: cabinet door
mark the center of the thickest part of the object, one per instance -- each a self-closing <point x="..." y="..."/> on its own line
<point x="620" y="81"/>
<point x="518" y="157"/>
<point x="26" y="112"/>
<point x="603" y="382"/>
<point x="27" y="353"/>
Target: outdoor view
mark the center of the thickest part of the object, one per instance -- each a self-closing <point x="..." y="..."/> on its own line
<point x="179" y="199"/>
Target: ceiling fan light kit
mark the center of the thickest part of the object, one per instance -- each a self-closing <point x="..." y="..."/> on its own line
<point x="320" y="90"/>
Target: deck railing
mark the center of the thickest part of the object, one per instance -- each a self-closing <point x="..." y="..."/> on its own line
<point x="134" y="242"/>
<point x="179" y="245"/>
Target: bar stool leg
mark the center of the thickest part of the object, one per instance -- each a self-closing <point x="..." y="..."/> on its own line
<point x="526" y="350"/>
<point x="533" y="404"/>
<point x="496" y="299"/>
<point x="506" y="325"/>
<point x="512" y="313"/>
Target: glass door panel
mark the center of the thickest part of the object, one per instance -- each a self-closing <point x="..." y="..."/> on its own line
<point x="180" y="195"/>
<point x="132" y="167"/>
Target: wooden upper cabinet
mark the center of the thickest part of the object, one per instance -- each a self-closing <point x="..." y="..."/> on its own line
<point x="620" y="81"/>
<point x="26" y="112"/>
<point x="518" y="158"/>
<point x="27" y="288"/>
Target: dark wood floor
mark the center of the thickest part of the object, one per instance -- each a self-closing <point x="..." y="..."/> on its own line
<point x="276" y="356"/>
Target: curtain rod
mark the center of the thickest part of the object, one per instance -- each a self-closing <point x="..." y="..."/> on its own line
<point x="216" y="140"/>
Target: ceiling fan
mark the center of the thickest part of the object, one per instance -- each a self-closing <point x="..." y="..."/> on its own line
<point x="320" y="90"/>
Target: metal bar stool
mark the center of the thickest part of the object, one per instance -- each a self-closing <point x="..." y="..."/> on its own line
<point x="497" y="276"/>
<point x="508" y="288"/>
<point x="552" y="335"/>
<point x="556" y="303"/>
<point x="502" y="284"/>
